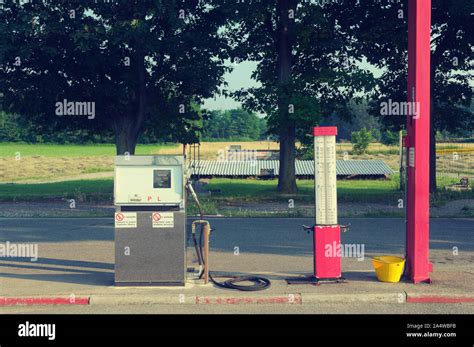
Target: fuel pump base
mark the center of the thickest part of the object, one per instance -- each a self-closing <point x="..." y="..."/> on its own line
<point x="156" y="256"/>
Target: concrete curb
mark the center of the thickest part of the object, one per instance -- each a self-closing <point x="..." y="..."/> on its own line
<point x="240" y="299"/>
<point x="395" y="298"/>
<point x="186" y="299"/>
<point x="142" y="299"/>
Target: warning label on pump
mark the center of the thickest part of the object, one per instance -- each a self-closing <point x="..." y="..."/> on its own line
<point x="162" y="220"/>
<point x="125" y="220"/>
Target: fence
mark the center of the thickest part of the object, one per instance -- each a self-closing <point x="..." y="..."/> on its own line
<point x="454" y="161"/>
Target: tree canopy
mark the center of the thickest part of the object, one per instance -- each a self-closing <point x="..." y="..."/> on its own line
<point x="306" y="68"/>
<point x="140" y="64"/>
<point x="236" y="124"/>
<point x="380" y="29"/>
<point x="145" y="66"/>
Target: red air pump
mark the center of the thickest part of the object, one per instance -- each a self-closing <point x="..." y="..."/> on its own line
<point x="326" y="231"/>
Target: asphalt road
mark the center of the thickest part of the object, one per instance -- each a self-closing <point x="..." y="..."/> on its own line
<point x="76" y="256"/>
<point x="257" y="235"/>
<point x="325" y="308"/>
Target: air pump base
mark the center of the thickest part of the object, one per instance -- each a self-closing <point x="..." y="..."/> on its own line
<point x="314" y="280"/>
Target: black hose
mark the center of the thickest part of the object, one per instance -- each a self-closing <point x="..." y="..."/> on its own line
<point x="200" y="247"/>
<point x="200" y="261"/>
<point x="259" y="283"/>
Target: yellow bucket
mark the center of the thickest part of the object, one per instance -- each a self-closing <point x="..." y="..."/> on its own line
<point x="388" y="268"/>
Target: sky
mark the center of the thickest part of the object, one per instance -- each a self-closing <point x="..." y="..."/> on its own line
<point x="241" y="77"/>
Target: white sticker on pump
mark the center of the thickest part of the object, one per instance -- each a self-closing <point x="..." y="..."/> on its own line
<point x="162" y="219"/>
<point x="125" y="220"/>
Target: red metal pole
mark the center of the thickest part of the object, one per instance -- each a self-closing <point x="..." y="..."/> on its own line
<point x="418" y="129"/>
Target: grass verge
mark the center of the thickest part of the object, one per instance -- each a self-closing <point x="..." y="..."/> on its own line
<point x="251" y="190"/>
<point x="82" y="190"/>
<point x="247" y="197"/>
<point x="10" y="149"/>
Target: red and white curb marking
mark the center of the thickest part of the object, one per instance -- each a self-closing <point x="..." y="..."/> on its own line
<point x="293" y="299"/>
<point x="433" y="299"/>
<point x="29" y="301"/>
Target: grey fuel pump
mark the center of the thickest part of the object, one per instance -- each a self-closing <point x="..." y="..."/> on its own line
<point x="150" y="220"/>
<point x="150" y="225"/>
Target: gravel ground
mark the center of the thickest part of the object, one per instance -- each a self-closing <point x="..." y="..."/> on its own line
<point x="57" y="208"/>
<point x="61" y="208"/>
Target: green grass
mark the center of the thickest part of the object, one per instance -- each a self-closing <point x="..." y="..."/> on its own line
<point x="393" y="151"/>
<point x="442" y="197"/>
<point x="82" y="190"/>
<point x="448" y="147"/>
<point x="209" y="207"/>
<point x="385" y="151"/>
<point x="9" y="149"/>
<point x="97" y="170"/>
<point x="265" y="190"/>
<point x="228" y="191"/>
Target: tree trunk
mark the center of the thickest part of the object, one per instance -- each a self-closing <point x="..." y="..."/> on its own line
<point x="286" y="175"/>
<point x="125" y="137"/>
<point x="128" y="128"/>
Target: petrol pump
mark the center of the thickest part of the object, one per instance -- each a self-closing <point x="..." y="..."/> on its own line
<point x="150" y="226"/>
<point x="150" y="220"/>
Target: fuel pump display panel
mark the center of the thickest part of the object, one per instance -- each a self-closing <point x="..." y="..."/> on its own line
<point x="161" y="179"/>
<point x="148" y="184"/>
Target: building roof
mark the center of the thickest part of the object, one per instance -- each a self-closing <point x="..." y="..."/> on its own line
<point x="250" y="168"/>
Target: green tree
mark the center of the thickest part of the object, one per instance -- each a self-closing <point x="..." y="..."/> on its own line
<point x="9" y="129"/>
<point x="390" y="138"/>
<point x="306" y="70"/>
<point x="144" y="64"/>
<point x="381" y="36"/>
<point x="361" y="140"/>
<point x="233" y="125"/>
